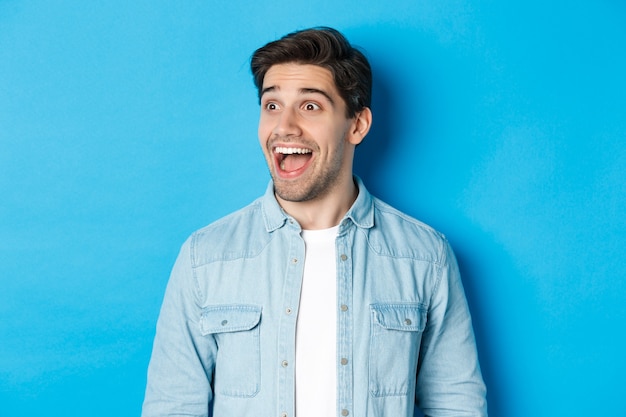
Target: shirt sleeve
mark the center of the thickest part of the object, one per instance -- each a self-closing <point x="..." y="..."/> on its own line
<point x="449" y="381"/>
<point x="182" y="362"/>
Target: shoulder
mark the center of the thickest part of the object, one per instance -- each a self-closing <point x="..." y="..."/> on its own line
<point x="231" y="222"/>
<point x="237" y="235"/>
<point x="397" y="234"/>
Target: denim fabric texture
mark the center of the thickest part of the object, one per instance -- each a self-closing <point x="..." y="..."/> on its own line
<point x="225" y="340"/>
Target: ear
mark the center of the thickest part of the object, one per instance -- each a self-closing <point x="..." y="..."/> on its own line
<point x="360" y="126"/>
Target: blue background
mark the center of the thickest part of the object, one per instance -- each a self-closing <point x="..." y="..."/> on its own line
<point x="124" y="126"/>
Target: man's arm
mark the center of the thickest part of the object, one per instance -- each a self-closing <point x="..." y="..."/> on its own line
<point x="179" y="375"/>
<point x="449" y="379"/>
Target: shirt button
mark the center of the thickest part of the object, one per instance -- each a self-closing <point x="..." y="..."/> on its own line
<point x="224" y="322"/>
<point x="344" y="361"/>
<point x="344" y="307"/>
<point x="288" y="310"/>
<point x="344" y="412"/>
<point x="284" y="364"/>
<point x="407" y="322"/>
<point x="294" y="260"/>
<point x="283" y="414"/>
<point x="344" y="257"/>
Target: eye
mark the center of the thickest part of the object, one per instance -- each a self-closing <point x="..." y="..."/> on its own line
<point x="310" y="106"/>
<point x="270" y="105"/>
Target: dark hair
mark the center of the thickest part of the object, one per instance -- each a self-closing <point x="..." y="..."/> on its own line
<point x="327" y="48"/>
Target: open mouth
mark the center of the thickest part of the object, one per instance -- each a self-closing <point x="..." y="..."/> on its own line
<point x="291" y="161"/>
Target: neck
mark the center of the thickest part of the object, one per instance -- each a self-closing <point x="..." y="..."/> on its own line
<point x="325" y="211"/>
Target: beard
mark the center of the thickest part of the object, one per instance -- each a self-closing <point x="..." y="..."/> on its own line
<point x="317" y="182"/>
<point x="301" y="189"/>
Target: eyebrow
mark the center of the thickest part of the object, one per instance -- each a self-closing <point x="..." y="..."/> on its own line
<point x="301" y="91"/>
<point x="317" y="91"/>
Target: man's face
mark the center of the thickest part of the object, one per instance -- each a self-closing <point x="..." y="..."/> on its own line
<point x="303" y="131"/>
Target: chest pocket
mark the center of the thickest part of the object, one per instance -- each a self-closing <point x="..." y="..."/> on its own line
<point x="238" y="362"/>
<point x="395" y="337"/>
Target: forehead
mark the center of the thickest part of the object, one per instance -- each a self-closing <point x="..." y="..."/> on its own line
<point x="281" y="76"/>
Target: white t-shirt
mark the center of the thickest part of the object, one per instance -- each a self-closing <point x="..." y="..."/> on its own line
<point x="316" y="329"/>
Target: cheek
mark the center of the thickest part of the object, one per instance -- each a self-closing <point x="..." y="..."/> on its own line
<point x="267" y="120"/>
<point x="263" y="130"/>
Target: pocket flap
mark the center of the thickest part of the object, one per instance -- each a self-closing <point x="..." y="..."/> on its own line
<point x="229" y="318"/>
<point x="407" y="317"/>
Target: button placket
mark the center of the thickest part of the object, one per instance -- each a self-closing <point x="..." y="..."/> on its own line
<point x="344" y="321"/>
<point x="287" y="324"/>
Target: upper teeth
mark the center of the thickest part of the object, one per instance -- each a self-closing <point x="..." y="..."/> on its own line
<point x="289" y="151"/>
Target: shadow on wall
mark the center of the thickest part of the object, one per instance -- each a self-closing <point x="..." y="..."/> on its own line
<point x="474" y="264"/>
<point x="376" y="144"/>
<point x="402" y="108"/>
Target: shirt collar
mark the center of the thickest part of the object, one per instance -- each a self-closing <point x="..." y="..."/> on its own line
<point x="273" y="214"/>
<point x="361" y="213"/>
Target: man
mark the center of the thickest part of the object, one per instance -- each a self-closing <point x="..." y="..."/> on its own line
<point x="317" y="299"/>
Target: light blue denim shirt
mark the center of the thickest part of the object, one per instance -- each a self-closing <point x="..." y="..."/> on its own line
<point x="225" y="340"/>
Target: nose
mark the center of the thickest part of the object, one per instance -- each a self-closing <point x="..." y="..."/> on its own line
<point x="287" y="123"/>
